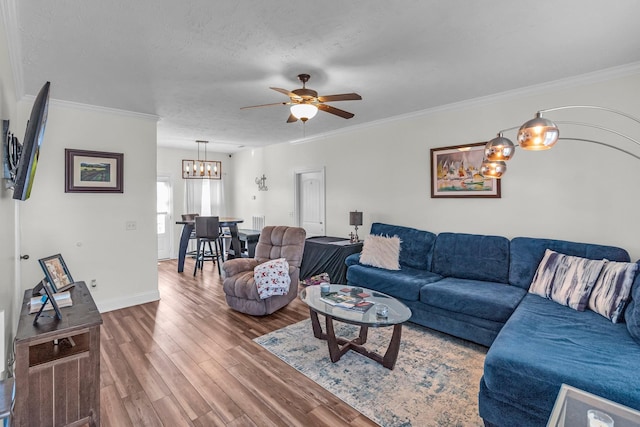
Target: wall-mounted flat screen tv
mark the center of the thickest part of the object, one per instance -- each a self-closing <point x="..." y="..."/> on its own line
<point x="31" y="145"/>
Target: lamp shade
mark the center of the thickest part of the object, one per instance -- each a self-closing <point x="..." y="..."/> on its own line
<point x="538" y="134"/>
<point x="304" y="112"/>
<point x="499" y="149"/>
<point x="355" y="218"/>
<point x="493" y="169"/>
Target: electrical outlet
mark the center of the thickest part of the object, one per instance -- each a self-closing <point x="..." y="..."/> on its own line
<point x="131" y="225"/>
<point x="94" y="283"/>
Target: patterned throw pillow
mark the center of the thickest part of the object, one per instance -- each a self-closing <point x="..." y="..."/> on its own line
<point x="566" y="279"/>
<point x="611" y="292"/>
<point x="381" y="251"/>
<point x="543" y="279"/>
<point x="272" y="278"/>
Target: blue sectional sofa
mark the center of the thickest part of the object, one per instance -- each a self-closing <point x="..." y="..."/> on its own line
<point x="476" y="287"/>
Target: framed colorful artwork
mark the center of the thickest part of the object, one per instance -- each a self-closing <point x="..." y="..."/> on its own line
<point x="455" y="172"/>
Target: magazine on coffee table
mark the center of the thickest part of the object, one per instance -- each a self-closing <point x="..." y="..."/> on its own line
<point x="346" y="301"/>
<point x="340" y="300"/>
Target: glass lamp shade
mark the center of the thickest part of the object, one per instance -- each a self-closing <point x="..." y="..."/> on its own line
<point x="304" y="112"/>
<point x="538" y="134"/>
<point x="493" y="169"/>
<point x="499" y="149"/>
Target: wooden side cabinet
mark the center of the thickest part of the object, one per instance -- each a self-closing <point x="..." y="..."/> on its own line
<point x="57" y="379"/>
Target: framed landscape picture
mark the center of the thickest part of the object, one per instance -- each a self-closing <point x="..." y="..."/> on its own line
<point x="93" y="171"/>
<point x="455" y="172"/>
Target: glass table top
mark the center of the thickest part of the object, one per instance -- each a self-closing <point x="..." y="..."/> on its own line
<point x="397" y="312"/>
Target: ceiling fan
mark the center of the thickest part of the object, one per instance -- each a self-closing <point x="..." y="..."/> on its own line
<point x="305" y="103"/>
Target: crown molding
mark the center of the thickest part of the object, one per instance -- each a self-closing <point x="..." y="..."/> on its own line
<point x="95" y="108"/>
<point x="580" y="80"/>
<point x="10" y="21"/>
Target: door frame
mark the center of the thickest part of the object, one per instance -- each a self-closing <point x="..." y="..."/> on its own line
<point x="168" y="178"/>
<point x="296" y="194"/>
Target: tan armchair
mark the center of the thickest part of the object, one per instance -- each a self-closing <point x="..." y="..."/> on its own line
<point x="238" y="283"/>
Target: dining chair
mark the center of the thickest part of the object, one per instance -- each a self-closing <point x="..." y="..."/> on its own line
<point x="207" y="231"/>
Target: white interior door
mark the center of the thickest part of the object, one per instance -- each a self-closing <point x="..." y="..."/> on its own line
<point x="164" y="215"/>
<point x="310" y="202"/>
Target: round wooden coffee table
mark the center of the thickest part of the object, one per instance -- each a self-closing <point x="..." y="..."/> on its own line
<point x="397" y="314"/>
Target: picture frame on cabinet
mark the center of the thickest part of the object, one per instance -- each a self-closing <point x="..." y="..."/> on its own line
<point x="56" y="272"/>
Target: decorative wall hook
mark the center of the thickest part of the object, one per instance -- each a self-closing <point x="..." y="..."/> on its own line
<point x="262" y="186"/>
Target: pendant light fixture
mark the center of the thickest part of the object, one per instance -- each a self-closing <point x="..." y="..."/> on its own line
<point x="201" y="168"/>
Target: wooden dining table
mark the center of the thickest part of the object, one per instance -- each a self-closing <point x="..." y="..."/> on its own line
<point x="187" y="228"/>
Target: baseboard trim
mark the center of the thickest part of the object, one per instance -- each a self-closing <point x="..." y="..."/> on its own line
<point x="128" y="301"/>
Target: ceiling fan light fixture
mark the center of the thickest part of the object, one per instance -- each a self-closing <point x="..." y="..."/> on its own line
<point x="304" y="112"/>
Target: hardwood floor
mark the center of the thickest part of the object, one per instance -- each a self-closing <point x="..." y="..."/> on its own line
<point x="189" y="360"/>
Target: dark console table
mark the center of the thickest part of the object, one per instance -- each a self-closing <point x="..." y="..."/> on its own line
<point x="323" y="254"/>
<point x="57" y="380"/>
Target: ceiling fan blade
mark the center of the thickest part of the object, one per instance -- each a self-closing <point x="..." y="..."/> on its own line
<point x="333" y="110"/>
<point x="292" y="118"/>
<point x="341" y="97"/>
<point x="264" y="105"/>
<point x="286" y="92"/>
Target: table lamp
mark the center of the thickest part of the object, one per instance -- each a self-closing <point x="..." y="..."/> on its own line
<point x="355" y="219"/>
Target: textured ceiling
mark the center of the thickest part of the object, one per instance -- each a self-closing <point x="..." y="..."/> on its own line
<point x="195" y="63"/>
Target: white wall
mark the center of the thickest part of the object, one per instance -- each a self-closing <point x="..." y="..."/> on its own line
<point x="576" y="191"/>
<point x="88" y="229"/>
<point x="170" y="164"/>
<point x="248" y="201"/>
<point x="7" y="206"/>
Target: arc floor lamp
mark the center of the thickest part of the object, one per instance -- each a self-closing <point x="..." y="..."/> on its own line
<point x="541" y="133"/>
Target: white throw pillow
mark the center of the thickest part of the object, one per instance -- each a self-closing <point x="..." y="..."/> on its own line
<point x="272" y="278"/>
<point x="566" y="279"/>
<point x="381" y="251"/>
<point x="610" y="294"/>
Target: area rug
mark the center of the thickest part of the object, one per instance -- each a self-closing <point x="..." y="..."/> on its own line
<point x="435" y="381"/>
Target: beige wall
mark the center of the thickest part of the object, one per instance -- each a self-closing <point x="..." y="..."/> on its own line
<point x="577" y="191"/>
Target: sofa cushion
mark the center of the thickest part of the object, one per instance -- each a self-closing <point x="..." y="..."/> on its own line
<point x="487" y="300"/>
<point x="353" y="259"/>
<point x="610" y="294"/>
<point x="381" y="251"/>
<point x="566" y="279"/>
<point x="472" y="256"/>
<point x="404" y="284"/>
<point x="545" y="344"/>
<point x="527" y="252"/>
<point x="471" y="328"/>
<point x="416" y="249"/>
